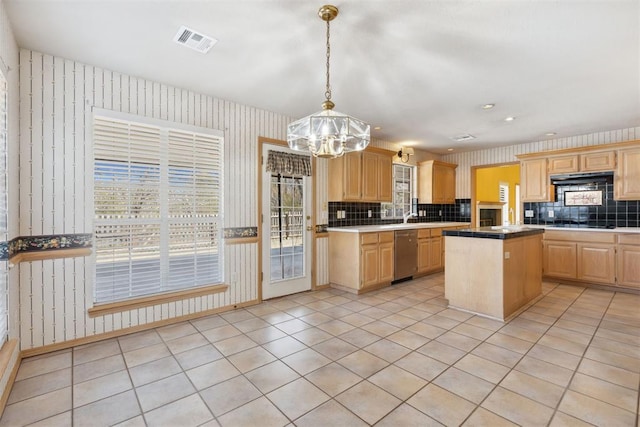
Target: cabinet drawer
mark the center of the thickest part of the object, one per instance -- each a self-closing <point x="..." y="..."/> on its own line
<point x="386" y="237"/>
<point x="436" y="232"/>
<point x="629" y="239"/>
<point x="369" y="238"/>
<point x="424" y="233"/>
<point x="580" y="236"/>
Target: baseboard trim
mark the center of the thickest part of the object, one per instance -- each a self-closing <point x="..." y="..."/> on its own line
<point x="126" y="331"/>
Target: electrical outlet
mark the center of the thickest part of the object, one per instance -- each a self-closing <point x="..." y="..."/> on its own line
<point x="440" y="213"/>
<point x="528" y="213"/>
<point x="551" y="214"/>
<point x="507" y="255"/>
<point x="369" y="213"/>
<point x="344" y="214"/>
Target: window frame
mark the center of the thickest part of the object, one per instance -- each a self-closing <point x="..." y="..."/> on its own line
<point x="166" y="216"/>
<point x="395" y="204"/>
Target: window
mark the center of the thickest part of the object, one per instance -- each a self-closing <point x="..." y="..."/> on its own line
<point x="158" y="208"/>
<point x="3" y="208"/>
<point x="402" y="192"/>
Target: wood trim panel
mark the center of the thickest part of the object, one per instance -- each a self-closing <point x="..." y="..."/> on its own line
<point x="241" y="241"/>
<point x="629" y="239"/>
<point x="580" y="236"/>
<point x="126" y="331"/>
<point x="133" y="304"/>
<point x="6" y="355"/>
<point x="50" y="254"/>
<point x="585" y="149"/>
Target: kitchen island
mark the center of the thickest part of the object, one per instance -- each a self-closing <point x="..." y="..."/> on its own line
<point x="493" y="271"/>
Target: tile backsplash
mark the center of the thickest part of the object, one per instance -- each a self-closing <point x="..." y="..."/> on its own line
<point x="612" y="213"/>
<point x="359" y="213"/>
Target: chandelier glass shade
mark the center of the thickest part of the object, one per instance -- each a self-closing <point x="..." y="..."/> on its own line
<point x="328" y="133"/>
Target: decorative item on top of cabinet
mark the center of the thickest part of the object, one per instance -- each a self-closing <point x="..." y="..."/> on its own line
<point x="534" y="181"/>
<point x="436" y="182"/>
<point x="362" y="176"/>
<point x="627" y="176"/>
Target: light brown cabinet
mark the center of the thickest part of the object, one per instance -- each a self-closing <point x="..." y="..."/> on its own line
<point x="436" y="182"/>
<point x="361" y="176"/>
<point x="591" y="257"/>
<point x="627" y="177"/>
<point x="559" y="259"/>
<point x="598" y="161"/>
<point x="587" y="256"/>
<point x="534" y="181"/>
<point x="628" y="261"/>
<point x="563" y="164"/>
<point x="359" y="262"/>
<point x="430" y="250"/>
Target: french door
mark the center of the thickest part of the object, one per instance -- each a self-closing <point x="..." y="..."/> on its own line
<point x="286" y="233"/>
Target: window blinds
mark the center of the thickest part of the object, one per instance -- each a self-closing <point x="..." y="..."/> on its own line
<point x="158" y="204"/>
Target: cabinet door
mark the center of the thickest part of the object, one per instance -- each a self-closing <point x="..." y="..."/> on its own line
<point x="369" y="263"/>
<point x="385" y="178"/>
<point x="385" y="262"/>
<point x="447" y="185"/>
<point x="424" y="260"/>
<point x="559" y="259"/>
<point x="596" y="263"/>
<point x="627" y="178"/>
<point x="563" y="164"/>
<point x="534" y="182"/>
<point x="628" y="268"/>
<point x="352" y="176"/>
<point x="435" y="253"/>
<point x="369" y="176"/>
<point x="593" y="162"/>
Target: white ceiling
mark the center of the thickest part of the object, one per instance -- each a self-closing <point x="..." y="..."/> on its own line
<point x="419" y="69"/>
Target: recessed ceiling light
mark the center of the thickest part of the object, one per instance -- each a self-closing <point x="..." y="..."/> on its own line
<point x="550" y="133"/>
<point x="488" y="106"/>
<point x="509" y="119"/>
<point x="449" y="149"/>
<point x="377" y="128"/>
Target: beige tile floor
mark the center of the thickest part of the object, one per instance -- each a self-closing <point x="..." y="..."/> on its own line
<point x="395" y="357"/>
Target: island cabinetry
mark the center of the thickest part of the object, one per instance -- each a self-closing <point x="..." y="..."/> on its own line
<point x="580" y="255"/>
<point x="490" y="276"/>
<point x="430" y="250"/>
<point x="628" y="261"/>
<point x="436" y="182"/>
<point x="360" y="262"/>
<point x="627" y="177"/>
<point x="361" y="176"/>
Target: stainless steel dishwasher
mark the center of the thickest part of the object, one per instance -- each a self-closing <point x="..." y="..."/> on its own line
<point x="405" y="254"/>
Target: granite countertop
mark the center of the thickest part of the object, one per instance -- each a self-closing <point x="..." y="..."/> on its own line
<point x="496" y="232"/>
<point x="393" y="227"/>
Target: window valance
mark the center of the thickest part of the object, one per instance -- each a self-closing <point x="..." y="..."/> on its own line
<point x="288" y="164"/>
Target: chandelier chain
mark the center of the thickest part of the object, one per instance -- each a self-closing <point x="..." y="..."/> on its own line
<point x="327" y="93"/>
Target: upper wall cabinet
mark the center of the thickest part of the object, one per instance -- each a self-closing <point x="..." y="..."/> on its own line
<point x="627" y="177"/>
<point x="623" y="158"/>
<point x="436" y="182"/>
<point x="534" y="181"/>
<point x="363" y="176"/>
<point x="585" y="162"/>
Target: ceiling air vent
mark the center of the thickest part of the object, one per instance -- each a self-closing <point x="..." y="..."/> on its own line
<point x="194" y="39"/>
<point x="462" y="138"/>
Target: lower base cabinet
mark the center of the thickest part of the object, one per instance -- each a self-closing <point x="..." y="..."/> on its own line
<point x="430" y="251"/>
<point x="361" y="261"/>
<point x="628" y="261"/>
<point x="603" y="258"/>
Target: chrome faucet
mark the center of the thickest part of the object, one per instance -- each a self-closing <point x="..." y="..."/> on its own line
<point x="405" y="217"/>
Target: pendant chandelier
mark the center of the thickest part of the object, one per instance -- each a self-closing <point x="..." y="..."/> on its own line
<point x="328" y="133"/>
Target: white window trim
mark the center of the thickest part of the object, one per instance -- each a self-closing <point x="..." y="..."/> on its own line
<point x="167" y="126"/>
<point x="412" y="195"/>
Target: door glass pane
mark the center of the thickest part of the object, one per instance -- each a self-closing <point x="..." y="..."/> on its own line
<point x="287" y="228"/>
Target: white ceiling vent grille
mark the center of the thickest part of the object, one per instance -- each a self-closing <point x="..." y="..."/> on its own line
<point x="462" y="138"/>
<point x="194" y="39"/>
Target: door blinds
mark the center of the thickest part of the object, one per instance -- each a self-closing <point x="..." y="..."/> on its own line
<point x="3" y="208"/>
<point x="158" y="209"/>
